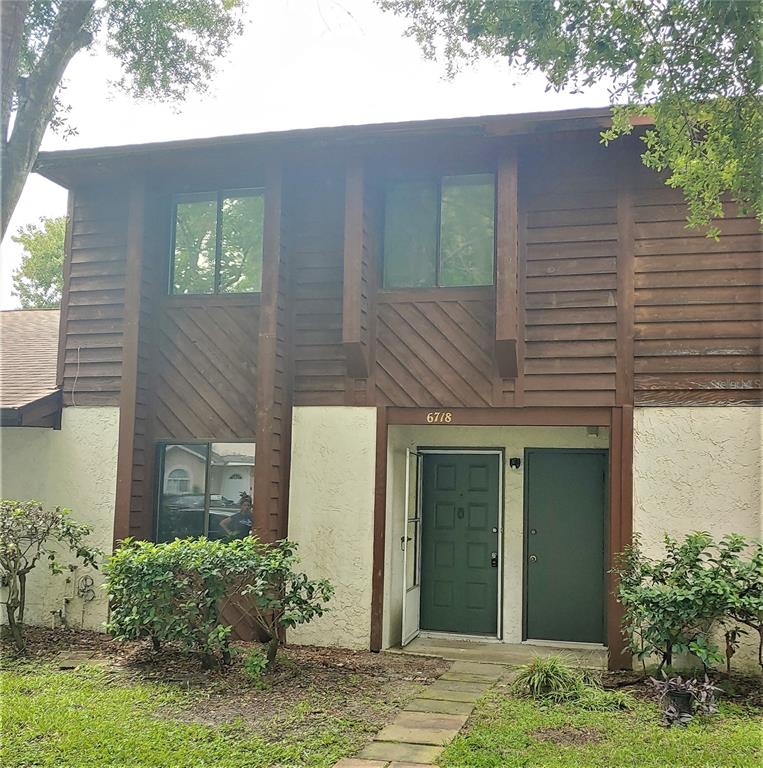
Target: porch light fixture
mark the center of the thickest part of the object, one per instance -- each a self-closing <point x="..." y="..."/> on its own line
<point x="515" y="462"/>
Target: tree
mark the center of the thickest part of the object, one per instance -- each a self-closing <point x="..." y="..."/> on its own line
<point x="29" y="532"/>
<point x="166" y="48"/>
<point x="693" y="67"/>
<point x="38" y="282"/>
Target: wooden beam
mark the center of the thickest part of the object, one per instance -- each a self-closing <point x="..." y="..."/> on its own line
<point x="625" y="277"/>
<point x="65" y="292"/>
<point x="355" y="346"/>
<point x="620" y="526"/>
<point x="265" y="474"/>
<point x="136" y="205"/>
<point x="516" y="417"/>
<point x="506" y="266"/>
<point x="380" y="527"/>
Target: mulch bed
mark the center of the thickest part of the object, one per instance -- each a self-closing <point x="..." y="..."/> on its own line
<point x="324" y="682"/>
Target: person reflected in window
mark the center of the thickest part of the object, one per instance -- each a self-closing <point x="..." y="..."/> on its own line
<point x="240" y="524"/>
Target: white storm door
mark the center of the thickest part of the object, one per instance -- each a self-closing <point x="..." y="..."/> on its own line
<point x="411" y="545"/>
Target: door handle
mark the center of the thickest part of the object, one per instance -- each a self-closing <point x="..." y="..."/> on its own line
<point x="493" y="559"/>
<point x="403" y="540"/>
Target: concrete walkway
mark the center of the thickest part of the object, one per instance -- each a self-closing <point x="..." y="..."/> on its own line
<point x="420" y="732"/>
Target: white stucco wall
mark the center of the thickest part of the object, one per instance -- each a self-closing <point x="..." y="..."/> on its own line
<point x="698" y="469"/>
<point x="513" y="440"/>
<point x="331" y="505"/>
<point x="73" y="467"/>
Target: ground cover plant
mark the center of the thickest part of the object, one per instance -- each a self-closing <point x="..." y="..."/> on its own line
<point x="129" y="705"/>
<point x="508" y="730"/>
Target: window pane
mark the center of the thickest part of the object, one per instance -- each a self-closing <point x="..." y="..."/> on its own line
<point x="467" y="230"/>
<point x="182" y="491"/>
<point x="410" y="235"/>
<point x="195" y="242"/>
<point x="241" y="258"/>
<point x="231" y="485"/>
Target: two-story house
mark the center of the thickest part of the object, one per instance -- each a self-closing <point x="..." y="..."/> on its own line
<point x="460" y="362"/>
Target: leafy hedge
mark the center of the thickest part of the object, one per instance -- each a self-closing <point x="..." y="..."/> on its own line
<point x="177" y="591"/>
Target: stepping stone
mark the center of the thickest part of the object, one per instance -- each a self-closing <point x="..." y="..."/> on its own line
<point x="461" y="677"/>
<point x="445" y="707"/>
<point x="355" y="762"/>
<point x="460" y="685"/>
<point x="422" y="728"/>
<point x="445" y="694"/>
<point x="402" y="753"/>
<point x="490" y="671"/>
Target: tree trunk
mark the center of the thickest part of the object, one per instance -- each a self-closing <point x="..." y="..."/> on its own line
<point x="12" y="15"/>
<point x="272" y="650"/>
<point x="35" y="109"/>
<point x="22" y="596"/>
<point x="17" y="633"/>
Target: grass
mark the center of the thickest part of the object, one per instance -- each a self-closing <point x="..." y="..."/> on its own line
<point x="508" y="732"/>
<point x="87" y="718"/>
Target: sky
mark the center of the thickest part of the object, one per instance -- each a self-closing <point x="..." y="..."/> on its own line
<point x="299" y="64"/>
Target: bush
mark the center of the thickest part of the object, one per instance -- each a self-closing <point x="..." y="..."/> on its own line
<point x="672" y="604"/>
<point x="176" y="591"/>
<point x="551" y="679"/>
<point x="29" y="532"/>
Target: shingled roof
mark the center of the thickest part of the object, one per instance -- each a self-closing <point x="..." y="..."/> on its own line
<point x="28" y="353"/>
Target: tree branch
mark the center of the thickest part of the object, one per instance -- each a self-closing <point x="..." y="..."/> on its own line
<point x="34" y="112"/>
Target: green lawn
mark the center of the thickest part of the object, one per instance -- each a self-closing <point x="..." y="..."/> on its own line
<point x="507" y="732"/>
<point x="86" y="718"/>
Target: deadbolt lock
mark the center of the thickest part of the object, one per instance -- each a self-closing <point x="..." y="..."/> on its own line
<point x="493" y="559"/>
<point x="533" y="558"/>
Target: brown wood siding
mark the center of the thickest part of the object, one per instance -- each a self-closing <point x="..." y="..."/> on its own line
<point x="206" y="368"/>
<point x="316" y="245"/>
<point x="93" y="317"/>
<point x="569" y="275"/>
<point x="436" y="351"/>
<point x="698" y="306"/>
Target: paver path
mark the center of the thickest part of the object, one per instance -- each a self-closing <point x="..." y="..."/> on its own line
<point x="420" y="732"/>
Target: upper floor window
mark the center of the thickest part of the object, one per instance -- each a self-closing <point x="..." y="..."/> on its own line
<point x="217" y="242"/>
<point x="440" y="233"/>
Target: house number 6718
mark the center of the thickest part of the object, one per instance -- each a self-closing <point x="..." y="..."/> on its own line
<point x="439" y="417"/>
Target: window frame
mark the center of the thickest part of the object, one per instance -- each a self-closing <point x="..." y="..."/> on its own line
<point x="436" y="181"/>
<point x="218" y="195"/>
<point x="160" y="452"/>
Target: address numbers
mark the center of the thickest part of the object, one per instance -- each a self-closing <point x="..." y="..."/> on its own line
<point x="439" y="417"/>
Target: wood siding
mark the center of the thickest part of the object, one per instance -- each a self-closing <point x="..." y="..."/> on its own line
<point x="94" y="311"/>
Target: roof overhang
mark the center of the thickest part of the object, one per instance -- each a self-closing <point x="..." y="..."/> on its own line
<point x="65" y="167"/>
<point x="43" y="412"/>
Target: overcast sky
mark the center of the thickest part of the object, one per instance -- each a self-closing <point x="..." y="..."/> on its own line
<point x="299" y="64"/>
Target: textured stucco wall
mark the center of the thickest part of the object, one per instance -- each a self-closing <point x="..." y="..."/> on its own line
<point x="331" y="504"/>
<point x="513" y="440"/>
<point x="698" y="469"/>
<point x="73" y="467"/>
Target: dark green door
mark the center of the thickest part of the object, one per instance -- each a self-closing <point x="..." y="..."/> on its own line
<point x="565" y="500"/>
<point x="459" y="553"/>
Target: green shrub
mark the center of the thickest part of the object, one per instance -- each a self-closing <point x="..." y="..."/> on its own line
<point x="255" y="665"/>
<point x="551" y="679"/>
<point x="672" y="604"/>
<point x="176" y="591"/>
<point x="30" y="533"/>
<point x="547" y="677"/>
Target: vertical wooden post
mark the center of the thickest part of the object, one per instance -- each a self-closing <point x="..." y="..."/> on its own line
<point x="61" y="360"/>
<point x="507" y="261"/>
<point x="130" y="336"/>
<point x="355" y="348"/>
<point x="625" y="278"/>
<point x="620" y="525"/>
<point x="266" y="475"/>
<point x="380" y="529"/>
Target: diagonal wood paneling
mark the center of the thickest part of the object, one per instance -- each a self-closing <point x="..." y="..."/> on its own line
<point x="435" y="352"/>
<point x="206" y="362"/>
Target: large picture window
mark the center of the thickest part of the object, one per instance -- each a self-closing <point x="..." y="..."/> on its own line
<point x="440" y="233"/>
<point x="217" y="242"/>
<point x="205" y="489"/>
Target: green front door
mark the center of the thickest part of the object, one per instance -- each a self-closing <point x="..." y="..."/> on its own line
<point x="565" y="502"/>
<point x="459" y="552"/>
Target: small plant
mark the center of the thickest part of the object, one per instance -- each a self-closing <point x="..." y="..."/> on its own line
<point x="682" y="698"/>
<point x="255" y="666"/>
<point x="547" y="678"/>
<point x="551" y="679"/>
<point x="29" y="532"/>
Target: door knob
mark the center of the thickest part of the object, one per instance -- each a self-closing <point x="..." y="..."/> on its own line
<point x="493" y="559"/>
<point x="533" y="558"/>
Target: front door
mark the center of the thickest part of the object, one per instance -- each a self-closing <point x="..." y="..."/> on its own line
<point x="459" y="552"/>
<point x="565" y="502"/>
